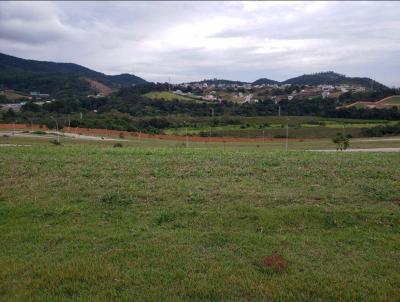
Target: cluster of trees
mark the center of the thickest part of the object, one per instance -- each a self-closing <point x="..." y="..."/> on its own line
<point x="371" y="96"/>
<point x="363" y="113"/>
<point x="60" y="86"/>
<point x="342" y="142"/>
<point x="381" y="130"/>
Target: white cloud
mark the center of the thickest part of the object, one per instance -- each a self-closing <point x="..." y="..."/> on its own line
<point x="193" y="40"/>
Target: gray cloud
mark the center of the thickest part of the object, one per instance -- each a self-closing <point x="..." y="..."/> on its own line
<point x="194" y="40"/>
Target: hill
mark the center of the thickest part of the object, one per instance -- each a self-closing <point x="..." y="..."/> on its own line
<point x="265" y="81"/>
<point x="54" y="78"/>
<point x="333" y="78"/>
<point x="220" y="81"/>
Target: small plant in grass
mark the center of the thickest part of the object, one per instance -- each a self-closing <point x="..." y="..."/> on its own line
<point x="55" y="142"/>
<point x="117" y="145"/>
<point x="342" y="142"/>
<point x="274" y="263"/>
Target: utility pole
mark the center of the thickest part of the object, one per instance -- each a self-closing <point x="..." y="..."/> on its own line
<point x="212" y="115"/>
<point x="279" y="110"/>
<point x="58" y="134"/>
<point x="287" y="135"/>
<point x="187" y="139"/>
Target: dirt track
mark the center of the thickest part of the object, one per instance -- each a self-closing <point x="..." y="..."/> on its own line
<point x="363" y="150"/>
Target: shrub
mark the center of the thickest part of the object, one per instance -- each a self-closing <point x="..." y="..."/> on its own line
<point x="342" y="142"/>
<point x="55" y="142"/>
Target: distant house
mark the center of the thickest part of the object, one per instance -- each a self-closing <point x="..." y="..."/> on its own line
<point x="209" y="97"/>
<point x="38" y="95"/>
<point x="325" y="94"/>
<point x="97" y="96"/>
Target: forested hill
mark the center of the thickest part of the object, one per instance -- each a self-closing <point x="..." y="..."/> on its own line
<point x="51" y="77"/>
<point x="332" y="78"/>
<point x="265" y="81"/>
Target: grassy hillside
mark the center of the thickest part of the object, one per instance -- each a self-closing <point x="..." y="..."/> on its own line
<point x="11" y="96"/>
<point x="393" y="101"/>
<point x="189" y="224"/>
<point x="167" y="96"/>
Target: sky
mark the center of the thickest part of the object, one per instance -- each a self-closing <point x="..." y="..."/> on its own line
<point x="188" y="41"/>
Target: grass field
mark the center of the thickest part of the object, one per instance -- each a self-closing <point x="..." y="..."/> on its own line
<point x="167" y="96"/>
<point x="12" y="95"/>
<point x="300" y="127"/>
<point x="85" y="221"/>
<point x="393" y="101"/>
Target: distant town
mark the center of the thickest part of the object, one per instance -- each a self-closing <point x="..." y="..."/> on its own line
<point x="252" y="93"/>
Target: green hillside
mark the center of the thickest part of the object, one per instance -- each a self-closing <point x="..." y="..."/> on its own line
<point x="55" y="78"/>
<point x="332" y="78"/>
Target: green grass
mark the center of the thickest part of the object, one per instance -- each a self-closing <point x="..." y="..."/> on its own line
<point x="276" y="145"/>
<point x="92" y="222"/>
<point x="12" y="95"/>
<point x="300" y="127"/>
<point x="393" y="101"/>
<point x="167" y="96"/>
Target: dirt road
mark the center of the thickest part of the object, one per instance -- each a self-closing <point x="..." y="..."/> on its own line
<point x="53" y="135"/>
<point x="363" y="150"/>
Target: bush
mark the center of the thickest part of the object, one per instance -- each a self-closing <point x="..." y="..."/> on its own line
<point x="55" y="142"/>
<point x="342" y="142"/>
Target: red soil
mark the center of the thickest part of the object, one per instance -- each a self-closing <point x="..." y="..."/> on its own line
<point x="274" y="262"/>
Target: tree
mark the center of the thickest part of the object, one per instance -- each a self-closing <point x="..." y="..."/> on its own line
<point x="342" y="142"/>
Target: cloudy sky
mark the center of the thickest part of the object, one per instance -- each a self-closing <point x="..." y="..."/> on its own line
<point x="197" y="40"/>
